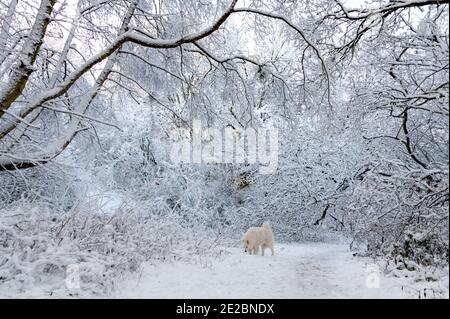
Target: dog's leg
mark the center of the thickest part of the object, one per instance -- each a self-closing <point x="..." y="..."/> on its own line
<point x="263" y="247"/>
<point x="271" y="249"/>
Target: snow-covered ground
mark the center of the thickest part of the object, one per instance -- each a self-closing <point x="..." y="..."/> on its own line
<point x="296" y="271"/>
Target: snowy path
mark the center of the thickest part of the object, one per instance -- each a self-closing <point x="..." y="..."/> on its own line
<point x="296" y="271"/>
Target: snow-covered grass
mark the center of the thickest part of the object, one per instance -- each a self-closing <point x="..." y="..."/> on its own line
<point x="296" y="271"/>
<point x="38" y="248"/>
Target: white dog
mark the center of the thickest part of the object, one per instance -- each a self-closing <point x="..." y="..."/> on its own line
<point x="257" y="237"/>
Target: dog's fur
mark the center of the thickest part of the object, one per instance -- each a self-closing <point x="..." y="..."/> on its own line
<point x="257" y="237"/>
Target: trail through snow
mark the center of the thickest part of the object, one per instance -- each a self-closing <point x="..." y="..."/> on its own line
<point x="296" y="271"/>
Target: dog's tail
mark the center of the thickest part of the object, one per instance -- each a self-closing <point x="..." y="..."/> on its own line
<point x="267" y="226"/>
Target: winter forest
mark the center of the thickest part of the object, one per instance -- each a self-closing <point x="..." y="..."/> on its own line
<point x="141" y="139"/>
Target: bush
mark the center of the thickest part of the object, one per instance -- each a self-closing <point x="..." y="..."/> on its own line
<point x="38" y="245"/>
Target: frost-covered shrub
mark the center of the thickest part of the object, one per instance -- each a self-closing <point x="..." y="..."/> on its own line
<point x="426" y="248"/>
<point x="37" y="245"/>
<point x="49" y="185"/>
